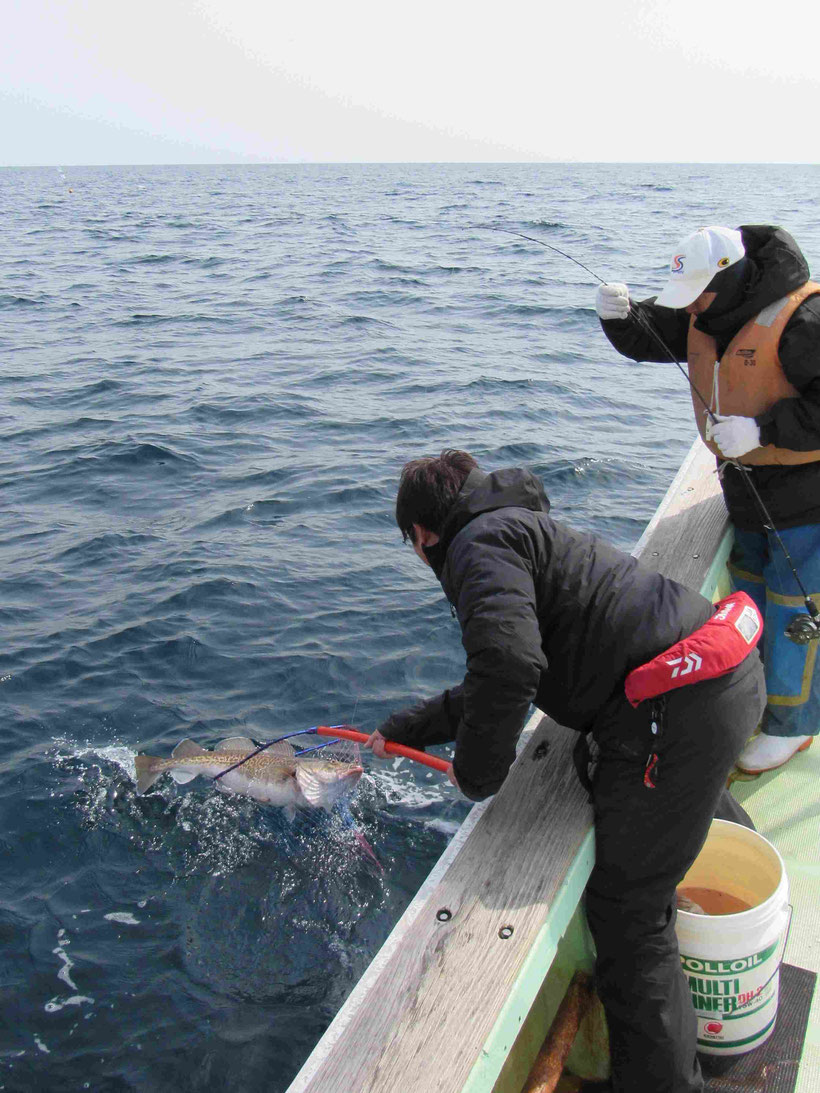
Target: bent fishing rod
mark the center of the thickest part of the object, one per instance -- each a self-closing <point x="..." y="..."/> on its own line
<point x="803" y="628"/>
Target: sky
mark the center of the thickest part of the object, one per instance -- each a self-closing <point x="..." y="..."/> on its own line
<point x="217" y="81"/>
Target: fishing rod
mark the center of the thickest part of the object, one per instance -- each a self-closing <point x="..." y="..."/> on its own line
<point x="803" y="628"/>
<point x="343" y="732"/>
<point x="640" y="319"/>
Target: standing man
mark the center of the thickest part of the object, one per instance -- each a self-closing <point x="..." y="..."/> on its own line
<point x="559" y="618"/>
<point x="740" y="308"/>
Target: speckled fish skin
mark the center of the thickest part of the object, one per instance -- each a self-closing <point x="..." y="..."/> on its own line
<point x="276" y="776"/>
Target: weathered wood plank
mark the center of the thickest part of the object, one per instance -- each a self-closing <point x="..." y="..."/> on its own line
<point x="440" y="992"/>
<point x="687" y="530"/>
<point x="438" y="996"/>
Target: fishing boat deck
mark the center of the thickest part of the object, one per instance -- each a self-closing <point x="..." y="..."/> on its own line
<point x="785" y="807"/>
<point x="456" y="1000"/>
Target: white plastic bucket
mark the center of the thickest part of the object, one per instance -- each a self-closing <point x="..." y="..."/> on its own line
<point x="732" y="961"/>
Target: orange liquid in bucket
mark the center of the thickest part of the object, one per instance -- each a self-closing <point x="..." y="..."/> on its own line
<point x="712" y="901"/>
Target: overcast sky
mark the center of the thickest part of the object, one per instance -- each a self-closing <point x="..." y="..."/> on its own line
<point x="186" y="81"/>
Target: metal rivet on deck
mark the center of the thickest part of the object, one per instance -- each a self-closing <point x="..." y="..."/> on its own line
<point x="505" y="933"/>
<point x="444" y="914"/>
<point x="541" y="750"/>
<point x="695" y="555"/>
<point x="654" y="553"/>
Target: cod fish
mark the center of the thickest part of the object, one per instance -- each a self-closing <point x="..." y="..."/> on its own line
<point x="276" y="776"/>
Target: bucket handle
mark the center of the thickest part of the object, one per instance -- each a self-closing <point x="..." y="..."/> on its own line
<point x="776" y="970"/>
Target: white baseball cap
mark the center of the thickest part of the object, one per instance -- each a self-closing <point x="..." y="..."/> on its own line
<point x="695" y="262"/>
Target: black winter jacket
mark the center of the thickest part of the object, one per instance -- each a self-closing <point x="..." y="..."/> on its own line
<point x="776" y="267"/>
<point x="548" y="616"/>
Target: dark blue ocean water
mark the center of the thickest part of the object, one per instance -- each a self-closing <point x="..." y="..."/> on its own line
<point x="209" y="380"/>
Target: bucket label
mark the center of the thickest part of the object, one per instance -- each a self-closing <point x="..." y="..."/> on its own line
<point x="724" y="996"/>
<point x="702" y="966"/>
<point x="735" y="999"/>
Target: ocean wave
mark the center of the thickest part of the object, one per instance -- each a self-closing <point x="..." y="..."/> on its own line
<point x="8" y="300"/>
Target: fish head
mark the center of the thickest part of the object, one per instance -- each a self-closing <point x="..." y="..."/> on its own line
<point x="323" y="781"/>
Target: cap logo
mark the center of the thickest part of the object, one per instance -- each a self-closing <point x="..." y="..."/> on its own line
<point x="723" y="263"/>
<point x="677" y="263"/>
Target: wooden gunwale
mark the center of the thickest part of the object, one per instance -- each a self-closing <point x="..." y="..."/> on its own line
<point x="441" y="1004"/>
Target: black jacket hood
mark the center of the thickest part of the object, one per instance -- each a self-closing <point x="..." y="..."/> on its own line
<point x="776" y="267"/>
<point x="512" y="487"/>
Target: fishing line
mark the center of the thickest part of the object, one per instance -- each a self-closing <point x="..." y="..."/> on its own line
<point x="802" y="629"/>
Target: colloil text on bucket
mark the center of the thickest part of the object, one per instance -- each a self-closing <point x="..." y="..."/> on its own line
<point x="732" y="961"/>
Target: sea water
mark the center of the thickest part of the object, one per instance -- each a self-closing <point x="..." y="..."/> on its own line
<point x="210" y="378"/>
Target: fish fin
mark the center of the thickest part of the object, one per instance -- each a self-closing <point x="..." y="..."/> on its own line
<point x="236" y="743"/>
<point x="187" y="749"/>
<point x="283" y="749"/>
<point x="147" y="772"/>
<point x="312" y="786"/>
<point x="183" y="776"/>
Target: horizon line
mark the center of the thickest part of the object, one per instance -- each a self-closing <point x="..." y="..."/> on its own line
<point x="433" y="163"/>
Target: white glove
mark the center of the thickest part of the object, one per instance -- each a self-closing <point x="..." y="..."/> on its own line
<point x="736" y="435"/>
<point x="612" y="301"/>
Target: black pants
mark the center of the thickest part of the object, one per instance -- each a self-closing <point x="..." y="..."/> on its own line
<point x="646" y="839"/>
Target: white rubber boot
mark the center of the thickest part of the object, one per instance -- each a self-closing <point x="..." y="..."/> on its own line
<point x="764" y="752"/>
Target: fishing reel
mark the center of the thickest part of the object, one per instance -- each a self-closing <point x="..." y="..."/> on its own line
<point x="803" y="629"/>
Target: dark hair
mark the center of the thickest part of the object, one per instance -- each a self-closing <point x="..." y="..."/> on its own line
<point x="427" y="489"/>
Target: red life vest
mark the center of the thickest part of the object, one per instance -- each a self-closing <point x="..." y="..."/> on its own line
<point x="712" y="650"/>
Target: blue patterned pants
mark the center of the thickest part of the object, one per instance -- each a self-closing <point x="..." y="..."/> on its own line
<point x="758" y="567"/>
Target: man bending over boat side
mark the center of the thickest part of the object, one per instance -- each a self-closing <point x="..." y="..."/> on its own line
<point x="561" y="619"/>
<point x="740" y="309"/>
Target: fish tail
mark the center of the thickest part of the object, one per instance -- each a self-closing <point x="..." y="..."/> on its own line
<point x="149" y="768"/>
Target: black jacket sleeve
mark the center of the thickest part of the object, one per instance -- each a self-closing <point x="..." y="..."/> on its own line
<point x="794" y="423"/>
<point x="495" y="600"/>
<point x="433" y="721"/>
<point x="631" y="337"/>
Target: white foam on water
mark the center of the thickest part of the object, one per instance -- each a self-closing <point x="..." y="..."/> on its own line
<point x="122" y="916"/>
<point x="41" y="1045"/>
<point x="446" y="827"/>
<point x="403" y="790"/>
<point x="54" y="1005"/>
<point x="117" y="754"/>
<point x="65" y="972"/>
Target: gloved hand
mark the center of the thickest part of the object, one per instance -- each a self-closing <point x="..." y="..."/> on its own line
<point x="612" y="301"/>
<point x="735" y="435"/>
